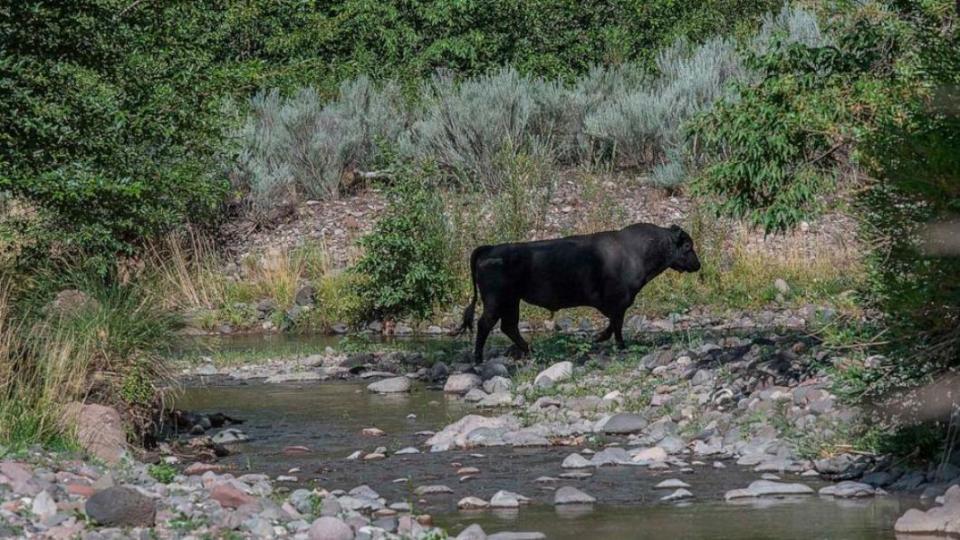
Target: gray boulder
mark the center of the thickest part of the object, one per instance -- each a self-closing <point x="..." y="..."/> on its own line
<point x="121" y="507"/>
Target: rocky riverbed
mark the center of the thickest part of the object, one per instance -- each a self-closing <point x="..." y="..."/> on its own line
<point x="382" y="444"/>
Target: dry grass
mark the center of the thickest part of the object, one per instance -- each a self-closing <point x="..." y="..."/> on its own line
<point x="106" y="350"/>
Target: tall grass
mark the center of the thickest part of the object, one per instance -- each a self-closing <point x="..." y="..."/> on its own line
<point x="189" y="275"/>
<point x="107" y="350"/>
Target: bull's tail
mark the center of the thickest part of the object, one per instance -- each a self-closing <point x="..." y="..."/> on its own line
<point x="469" y="313"/>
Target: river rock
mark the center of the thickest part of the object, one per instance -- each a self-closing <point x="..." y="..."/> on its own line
<point x="611" y="456"/>
<point x="506" y="499"/>
<point x="121" y="507"/>
<point x="576" y="461"/>
<point x="98" y="430"/>
<point x="572" y="495"/>
<point x="230" y="496"/>
<point x="438" y="372"/>
<point x="671" y="483"/>
<point x="330" y="528"/>
<point x="494" y="368"/>
<point x="473" y="532"/>
<point x="943" y="519"/>
<point x="469" y="503"/>
<point x="497" y="384"/>
<point x="849" y="490"/>
<point x="456" y="434"/>
<point x="43" y="506"/>
<point x="677" y="495"/>
<point x="624" y="424"/>
<point x="393" y="385"/>
<point x="230" y="436"/>
<point x="766" y="488"/>
<point x="438" y="489"/>
<point x="558" y="372"/>
<point x="461" y="383"/>
<point x="654" y="454"/>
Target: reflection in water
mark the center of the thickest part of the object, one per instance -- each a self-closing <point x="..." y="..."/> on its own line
<point x="807" y="518"/>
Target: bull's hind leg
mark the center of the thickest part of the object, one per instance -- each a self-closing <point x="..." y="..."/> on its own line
<point x="486" y="323"/>
<point x="616" y="323"/>
<point x="510" y="326"/>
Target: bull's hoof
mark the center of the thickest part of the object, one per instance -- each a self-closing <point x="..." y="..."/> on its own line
<point x="516" y="352"/>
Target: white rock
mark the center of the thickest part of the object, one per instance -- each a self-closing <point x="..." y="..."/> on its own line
<point x="44" y="506"/>
<point x="558" y="372"/>
<point x="576" y="461"/>
<point x="677" y="495"/>
<point x="671" y="483"/>
<point x="572" y="495"/>
<point x="461" y="383"/>
<point x="652" y="454"/>
<point x="468" y="503"/>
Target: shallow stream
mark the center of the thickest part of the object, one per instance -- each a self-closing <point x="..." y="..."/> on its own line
<point x="328" y="418"/>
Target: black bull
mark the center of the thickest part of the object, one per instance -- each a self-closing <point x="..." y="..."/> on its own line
<point x="604" y="270"/>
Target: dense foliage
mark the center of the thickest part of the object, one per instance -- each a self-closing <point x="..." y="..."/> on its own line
<point x="405" y="268"/>
<point x="111" y="117"/>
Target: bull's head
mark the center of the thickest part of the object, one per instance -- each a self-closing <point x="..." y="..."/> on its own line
<point x="684" y="257"/>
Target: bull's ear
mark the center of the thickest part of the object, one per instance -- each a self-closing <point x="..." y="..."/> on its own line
<point x="676" y="231"/>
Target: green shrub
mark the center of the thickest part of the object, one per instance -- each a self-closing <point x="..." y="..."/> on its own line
<point x="162" y="472"/>
<point x="404" y="269"/>
<point x="110" y="123"/>
<point x="772" y="153"/>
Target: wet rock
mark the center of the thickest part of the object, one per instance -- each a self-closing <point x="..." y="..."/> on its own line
<point x="671" y="483"/>
<point x="98" y="429"/>
<point x="230" y="436"/>
<point x="558" y="372"/>
<point x="849" y="490"/>
<point x="677" y="495"/>
<point x="456" y="435"/>
<point x="654" y="453"/>
<point x="438" y="372"/>
<point x="576" y="461"/>
<point x="407" y="450"/>
<point x="623" y="424"/>
<point x="393" y="385"/>
<point x="121" y="507"/>
<point x="506" y="499"/>
<point x="330" y="528"/>
<point x="432" y="490"/>
<point x="943" y="519"/>
<point x="473" y="532"/>
<point x="767" y="488"/>
<point x="610" y="456"/>
<point x="461" y="383"/>
<point x="572" y="495"/>
<point x="471" y="503"/>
